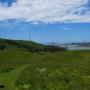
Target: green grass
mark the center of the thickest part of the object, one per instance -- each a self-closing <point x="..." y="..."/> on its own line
<point x="8" y="79"/>
<point x="68" y="70"/>
<point x="19" y="44"/>
<point x="23" y="70"/>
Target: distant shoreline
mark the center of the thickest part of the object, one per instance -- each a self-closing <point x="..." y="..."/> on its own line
<point x="78" y="48"/>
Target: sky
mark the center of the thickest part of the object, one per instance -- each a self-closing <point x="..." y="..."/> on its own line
<point x="45" y="21"/>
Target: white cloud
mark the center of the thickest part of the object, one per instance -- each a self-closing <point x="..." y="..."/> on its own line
<point x="47" y="11"/>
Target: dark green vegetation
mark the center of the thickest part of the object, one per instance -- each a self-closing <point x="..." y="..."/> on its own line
<point x="28" y="46"/>
<point x="21" y="69"/>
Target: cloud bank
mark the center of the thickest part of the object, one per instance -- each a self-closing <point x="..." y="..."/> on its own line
<point x="47" y="11"/>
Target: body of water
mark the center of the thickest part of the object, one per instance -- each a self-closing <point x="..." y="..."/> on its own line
<point x="78" y="48"/>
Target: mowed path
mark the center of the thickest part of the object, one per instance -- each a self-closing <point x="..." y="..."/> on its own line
<point x="8" y="79"/>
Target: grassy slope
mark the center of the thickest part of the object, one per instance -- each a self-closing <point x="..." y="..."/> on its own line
<point x="12" y="54"/>
<point x="9" y="78"/>
<point x="66" y="70"/>
<point x="14" y="43"/>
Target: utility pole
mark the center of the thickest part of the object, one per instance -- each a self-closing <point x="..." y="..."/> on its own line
<point x="29" y="36"/>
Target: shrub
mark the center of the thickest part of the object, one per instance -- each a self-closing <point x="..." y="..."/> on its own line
<point x="2" y="47"/>
<point x="52" y="48"/>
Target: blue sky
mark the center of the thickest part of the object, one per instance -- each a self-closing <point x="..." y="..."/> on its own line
<point x="67" y="25"/>
<point x="43" y="33"/>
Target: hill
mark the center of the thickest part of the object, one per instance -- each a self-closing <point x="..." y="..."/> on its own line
<point x="20" y="44"/>
<point x="28" y="46"/>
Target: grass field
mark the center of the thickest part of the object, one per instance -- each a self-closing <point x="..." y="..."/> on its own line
<point x="23" y="70"/>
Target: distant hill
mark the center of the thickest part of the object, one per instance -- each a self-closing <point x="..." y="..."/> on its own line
<point x="27" y="46"/>
<point x="20" y="44"/>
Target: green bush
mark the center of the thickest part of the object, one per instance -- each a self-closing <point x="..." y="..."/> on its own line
<point x="2" y="47"/>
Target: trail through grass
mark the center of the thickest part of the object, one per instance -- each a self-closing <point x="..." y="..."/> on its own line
<point x="8" y="79"/>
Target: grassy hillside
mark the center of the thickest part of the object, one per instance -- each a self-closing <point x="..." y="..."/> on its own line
<point x="19" y="44"/>
<point x="23" y="70"/>
<point x="28" y="46"/>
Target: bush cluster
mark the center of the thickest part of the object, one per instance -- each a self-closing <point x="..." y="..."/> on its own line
<point x="2" y="47"/>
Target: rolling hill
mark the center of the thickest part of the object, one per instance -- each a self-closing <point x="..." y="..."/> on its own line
<point x="19" y="44"/>
<point x="28" y="46"/>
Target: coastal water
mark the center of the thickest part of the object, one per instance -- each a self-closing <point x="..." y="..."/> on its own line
<point x="78" y="48"/>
